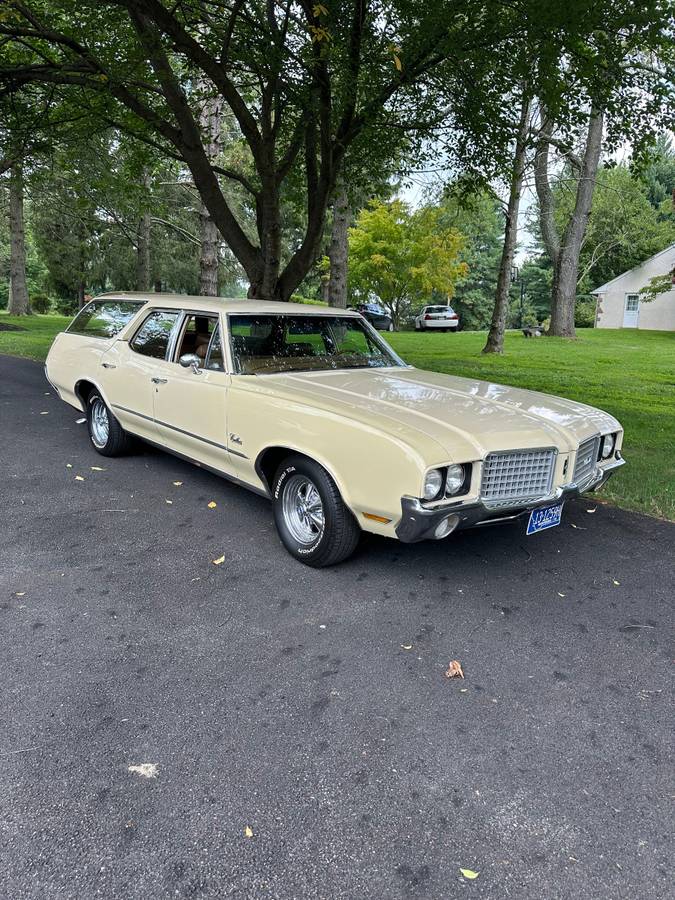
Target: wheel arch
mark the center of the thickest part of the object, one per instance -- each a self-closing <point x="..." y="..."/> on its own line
<point x="270" y="458"/>
<point x="83" y="389"/>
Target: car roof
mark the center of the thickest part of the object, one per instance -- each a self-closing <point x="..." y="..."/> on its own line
<point x="223" y="304"/>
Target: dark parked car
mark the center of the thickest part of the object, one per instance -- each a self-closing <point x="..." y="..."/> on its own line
<point x="377" y="316"/>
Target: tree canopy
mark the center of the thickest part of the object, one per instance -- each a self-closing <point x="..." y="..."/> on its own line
<point x="404" y="257"/>
<point x="310" y="89"/>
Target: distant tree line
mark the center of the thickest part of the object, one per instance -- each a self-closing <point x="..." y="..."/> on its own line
<point x="251" y="145"/>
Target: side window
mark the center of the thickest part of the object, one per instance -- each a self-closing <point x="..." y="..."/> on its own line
<point x="196" y="336"/>
<point x="153" y="337"/>
<point x="214" y="359"/>
<point x="104" y="318"/>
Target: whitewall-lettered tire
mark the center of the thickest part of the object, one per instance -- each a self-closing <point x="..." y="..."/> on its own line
<point x="312" y="520"/>
<point x="105" y="433"/>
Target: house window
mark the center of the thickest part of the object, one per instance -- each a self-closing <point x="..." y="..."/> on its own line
<point x="632" y="302"/>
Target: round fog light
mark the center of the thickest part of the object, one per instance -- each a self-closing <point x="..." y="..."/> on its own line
<point x="446" y="526"/>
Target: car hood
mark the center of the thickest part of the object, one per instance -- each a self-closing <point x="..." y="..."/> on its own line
<point x="466" y="418"/>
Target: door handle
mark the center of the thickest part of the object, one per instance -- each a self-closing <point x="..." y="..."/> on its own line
<point x="159" y="380"/>
<point x="109" y="365"/>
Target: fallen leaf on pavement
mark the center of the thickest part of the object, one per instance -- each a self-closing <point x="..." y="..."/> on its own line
<point x="454" y="669"/>
<point x="96" y="469"/>
<point x="178" y="483"/>
<point x="406" y="646"/>
<point x="560" y="595"/>
<point x="248" y="832"/>
<point x="615" y="581"/>
<point x="69" y="465"/>
<point x="20" y="593"/>
<point x="592" y="510"/>
<point x="44" y="413"/>
<point x="469" y="873"/>
<point x="170" y="502"/>
<point x="79" y="421"/>
<point x="219" y="561"/>
<point x="147" y="770"/>
<point x="212" y="504"/>
<point x="79" y="478"/>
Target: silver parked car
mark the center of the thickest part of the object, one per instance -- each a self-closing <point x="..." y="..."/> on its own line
<point x="442" y="318"/>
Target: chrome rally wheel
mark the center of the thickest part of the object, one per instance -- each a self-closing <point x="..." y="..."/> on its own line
<point x="303" y="509"/>
<point x="99" y="423"/>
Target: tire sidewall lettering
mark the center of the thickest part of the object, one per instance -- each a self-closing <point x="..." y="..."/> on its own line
<point x="281" y="479"/>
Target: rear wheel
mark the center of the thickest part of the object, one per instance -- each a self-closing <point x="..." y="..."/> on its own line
<point x="105" y="433"/>
<point x="313" y="522"/>
<point x="390" y="327"/>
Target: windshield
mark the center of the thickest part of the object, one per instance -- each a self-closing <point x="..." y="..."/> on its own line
<point x="264" y="344"/>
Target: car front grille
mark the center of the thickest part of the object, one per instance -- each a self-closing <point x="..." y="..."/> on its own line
<point x="587" y="456"/>
<point x="516" y="475"/>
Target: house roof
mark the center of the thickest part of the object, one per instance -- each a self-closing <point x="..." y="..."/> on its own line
<point x="603" y="287"/>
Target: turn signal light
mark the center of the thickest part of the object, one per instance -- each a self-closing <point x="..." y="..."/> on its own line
<point x="383" y="519"/>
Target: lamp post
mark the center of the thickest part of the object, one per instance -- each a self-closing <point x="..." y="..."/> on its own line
<point x="514" y="277"/>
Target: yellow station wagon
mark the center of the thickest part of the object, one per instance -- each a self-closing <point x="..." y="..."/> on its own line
<point x="311" y="407"/>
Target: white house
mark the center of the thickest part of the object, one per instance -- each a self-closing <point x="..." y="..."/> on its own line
<point x="619" y="305"/>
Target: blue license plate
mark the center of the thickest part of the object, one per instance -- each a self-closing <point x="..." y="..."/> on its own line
<point x="544" y="517"/>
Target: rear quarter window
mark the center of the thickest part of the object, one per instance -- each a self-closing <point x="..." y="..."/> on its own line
<point x="104" y="318"/>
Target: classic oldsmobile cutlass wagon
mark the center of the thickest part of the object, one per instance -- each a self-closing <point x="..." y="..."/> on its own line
<point x="310" y="407"/>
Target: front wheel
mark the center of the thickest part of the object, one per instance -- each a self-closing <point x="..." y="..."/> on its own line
<point x="312" y="520"/>
<point x="105" y="433"/>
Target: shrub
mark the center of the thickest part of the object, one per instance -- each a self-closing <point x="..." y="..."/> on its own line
<point x="40" y="303"/>
<point x="66" y="306"/>
<point x="298" y="298"/>
<point x="584" y="312"/>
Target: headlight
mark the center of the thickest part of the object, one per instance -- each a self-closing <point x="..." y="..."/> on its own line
<point x="433" y="483"/>
<point x="607" y="446"/>
<point x="454" y="479"/>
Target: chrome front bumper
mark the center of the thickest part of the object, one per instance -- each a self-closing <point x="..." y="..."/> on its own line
<point x="419" y="522"/>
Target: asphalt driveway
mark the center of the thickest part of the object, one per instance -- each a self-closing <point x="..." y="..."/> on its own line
<point x="261" y="695"/>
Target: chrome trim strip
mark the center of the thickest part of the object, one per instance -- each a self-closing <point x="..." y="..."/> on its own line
<point x="200" y="465"/>
<point x="180" y="430"/>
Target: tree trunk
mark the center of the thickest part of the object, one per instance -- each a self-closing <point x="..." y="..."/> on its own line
<point x="18" y="289"/>
<point x="495" y="340"/>
<point x="338" y="252"/>
<point x="143" y="243"/>
<point x="209" y="260"/>
<point x="210" y="121"/>
<point x="566" y="271"/>
<point x="564" y="251"/>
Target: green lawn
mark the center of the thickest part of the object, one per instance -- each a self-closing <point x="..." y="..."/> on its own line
<point x="35" y="341"/>
<point x="629" y="373"/>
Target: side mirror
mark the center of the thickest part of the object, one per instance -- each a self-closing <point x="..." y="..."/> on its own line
<point x="190" y="361"/>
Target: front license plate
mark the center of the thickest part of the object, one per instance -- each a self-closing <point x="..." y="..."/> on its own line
<point x="544" y="517"/>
